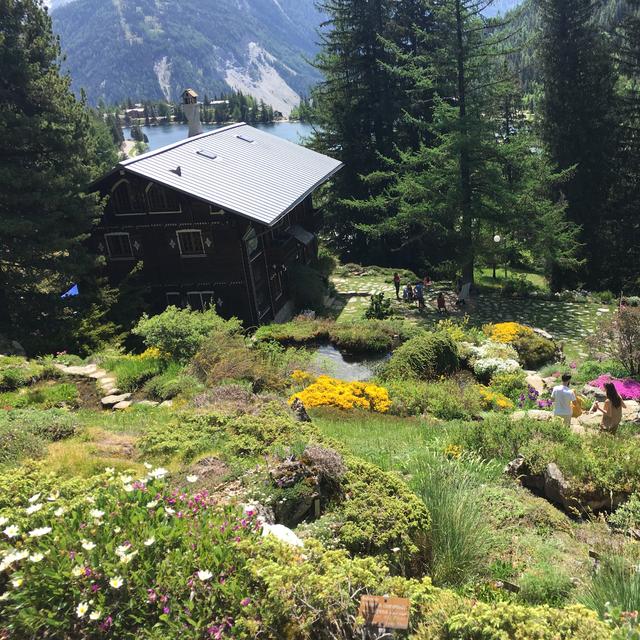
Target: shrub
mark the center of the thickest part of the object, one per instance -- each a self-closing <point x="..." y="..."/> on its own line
<point x="493" y="400"/>
<point x="511" y="385"/>
<point x="329" y="392"/>
<point x="172" y="382"/>
<point x="487" y="368"/>
<point x="506" y="332"/>
<point x="627" y="516"/>
<point x="132" y="372"/>
<point x="179" y="333"/>
<point x="620" y="336"/>
<point x="301" y="330"/>
<point x="545" y="584"/>
<point x="308" y="288"/>
<point x="616" y="584"/>
<point x="425" y="357"/>
<point x="17" y="444"/>
<point x="628" y="388"/>
<point x="49" y="397"/>
<point x="519" y="287"/>
<point x="408" y="397"/>
<point x="448" y="400"/>
<point x="459" y="533"/>
<point x="534" y="350"/>
<point x="379" y="308"/>
<point x="592" y="369"/>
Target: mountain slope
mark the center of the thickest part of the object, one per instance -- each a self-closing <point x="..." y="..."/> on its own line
<point x="156" y="48"/>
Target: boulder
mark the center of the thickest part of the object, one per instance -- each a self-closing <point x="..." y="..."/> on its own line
<point x="299" y="411"/>
<point x="110" y="401"/>
<point x="99" y="374"/>
<point x="167" y="404"/>
<point x="84" y="371"/>
<point x="11" y="347"/>
<point x="282" y="533"/>
<point x="120" y="406"/>
<point x="535" y="380"/>
<point x="594" y="393"/>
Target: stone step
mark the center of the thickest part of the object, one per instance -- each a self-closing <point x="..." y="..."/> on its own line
<point x="110" y="401"/>
<point x="125" y="404"/>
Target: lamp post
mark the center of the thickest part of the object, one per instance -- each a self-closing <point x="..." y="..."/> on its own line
<point x="497" y="240"/>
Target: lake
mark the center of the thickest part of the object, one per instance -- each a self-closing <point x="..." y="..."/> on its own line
<point x="162" y="135"/>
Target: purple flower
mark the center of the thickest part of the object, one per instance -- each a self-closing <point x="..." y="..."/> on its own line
<point x="106" y="624"/>
<point x="245" y="602"/>
<point x="166" y="610"/>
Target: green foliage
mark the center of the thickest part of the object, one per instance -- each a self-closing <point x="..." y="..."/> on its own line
<point x="615" y="584"/>
<point x="379" y="308"/>
<point x="546" y="584"/>
<point x="172" y="382"/>
<point x="308" y="288"/>
<point x="299" y="331"/>
<point x="518" y="287"/>
<point x="43" y="397"/>
<point x="425" y="357"/>
<point x="534" y="350"/>
<point x="627" y="516"/>
<point x="179" y="333"/>
<point x="511" y="385"/>
<point x="17" y="444"/>
<point x="16" y="372"/>
<point x="459" y="532"/>
<point x="593" y="369"/>
<point x="132" y="372"/>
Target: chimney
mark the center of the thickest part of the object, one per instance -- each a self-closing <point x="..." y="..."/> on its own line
<point x="192" y="111"/>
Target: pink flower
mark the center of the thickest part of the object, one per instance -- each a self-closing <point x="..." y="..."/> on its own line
<point x="166" y="610"/>
<point x="245" y="602"/>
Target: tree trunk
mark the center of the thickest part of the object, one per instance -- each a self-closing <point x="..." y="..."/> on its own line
<point x="465" y="169"/>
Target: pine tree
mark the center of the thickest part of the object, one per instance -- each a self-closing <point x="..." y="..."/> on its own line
<point x="45" y="163"/>
<point x="578" y="116"/>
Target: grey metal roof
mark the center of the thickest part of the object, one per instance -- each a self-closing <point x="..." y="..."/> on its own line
<point x="262" y="180"/>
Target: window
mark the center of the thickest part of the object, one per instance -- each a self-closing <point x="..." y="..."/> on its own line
<point x="190" y="243"/>
<point x="118" y="245"/>
<point x="252" y="242"/>
<point x="126" y="200"/>
<point x="200" y="300"/>
<point x="174" y="299"/>
<point x="162" y="200"/>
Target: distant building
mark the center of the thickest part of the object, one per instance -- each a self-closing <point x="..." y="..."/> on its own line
<point x="218" y="219"/>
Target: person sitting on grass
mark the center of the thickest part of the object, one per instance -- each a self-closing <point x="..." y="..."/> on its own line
<point x="562" y="397"/>
<point x="612" y="410"/>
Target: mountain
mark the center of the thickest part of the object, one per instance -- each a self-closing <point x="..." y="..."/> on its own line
<point x="156" y="48"/>
<point x="501" y="7"/>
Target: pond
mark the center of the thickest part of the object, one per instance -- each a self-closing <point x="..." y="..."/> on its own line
<point x="330" y="361"/>
<point x="162" y="135"/>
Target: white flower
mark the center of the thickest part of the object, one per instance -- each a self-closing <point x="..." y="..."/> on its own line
<point x="128" y="488"/>
<point x="36" y="557"/>
<point x="90" y="500"/>
<point x="11" y="531"/>
<point x="33" y="508"/>
<point x="21" y="555"/>
<point x="158" y="473"/>
<point x="128" y="557"/>
<point x="148" y="466"/>
<point x="204" y="575"/>
<point x="152" y="504"/>
<point x="169" y="511"/>
<point x="41" y="531"/>
<point x="87" y="545"/>
<point x="95" y="615"/>
<point x="126" y="479"/>
<point x="118" y="529"/>
<point x="109" y="470"/>
<point x="53" y="496"/>
<point x="5" y="596"/>
<point x="82" y="609"/>
<point x="116" y="582"/>
<point x="17" y="582"/>
<point x="3" y="521"/>
<point x="60" y="511"/>
<point x="96" y="513"/>
<point x="122" y="550"/>
<point x="149" y="541"/>
<point x="34" y="498"/>
<point x="77" y="571"/>
<point x="192" y="479"/>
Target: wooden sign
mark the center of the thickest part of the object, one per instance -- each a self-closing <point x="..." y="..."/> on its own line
<point x="382" y="611"/>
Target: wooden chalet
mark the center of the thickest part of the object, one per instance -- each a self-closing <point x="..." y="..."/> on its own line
<point x="218" y="219"/>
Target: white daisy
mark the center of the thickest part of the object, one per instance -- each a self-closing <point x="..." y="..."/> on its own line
<point x="36" y="557"/>
<point x="152" y="505"/>
<point x="41" y="531"/>
<point x="11" y="531"/>
<point x="96" y="513"/>
<point x="87" y="545"/>
<point x="149" y="541"/>
<point x="3" y="521"/>
<point x="192" y="479"/>
<point x="82" y="609"/>
<point x="17" y="582"/>
<point x="204" y="575"/>
<point x="95" y="615"/>
<point x="34" y="498"/>
<point x="60" y="511"/>
<point x="33" y="508"/>
<point x="77" y="571"/>
<point x="116" y="582"/>
<point x="158" y="473"/>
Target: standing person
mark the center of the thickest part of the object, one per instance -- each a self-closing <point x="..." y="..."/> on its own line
<point x="410" y="293"/>
<point x="396" y="284"/>
<point x="562" y="397"/>
<point x="427" y="283"/>
<point x="612" y="410"/>
<point x="442" y="304"/>
<point x="420" y="295"/>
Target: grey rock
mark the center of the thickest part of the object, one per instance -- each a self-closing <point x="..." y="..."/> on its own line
<point x="110" y="401"/>
<point x="167" y="404"/>
<point x="11" y="347"/>
<point x="125" y="404"/>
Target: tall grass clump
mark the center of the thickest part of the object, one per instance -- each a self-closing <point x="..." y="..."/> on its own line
<point x="615" y="585"/>
<point x="459" y="533"/>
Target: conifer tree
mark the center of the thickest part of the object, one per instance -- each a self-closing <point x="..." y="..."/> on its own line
<point x="578" y="120"/>
<point x="45" y="164"/>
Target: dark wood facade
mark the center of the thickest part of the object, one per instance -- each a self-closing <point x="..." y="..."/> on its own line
<point x="192" y="254"/>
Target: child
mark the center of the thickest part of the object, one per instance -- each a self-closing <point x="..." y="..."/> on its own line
<point x="442" y="304"/>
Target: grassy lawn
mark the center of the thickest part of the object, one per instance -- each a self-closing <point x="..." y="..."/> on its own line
<point x="570" y="323"/>
<point x="484" y="277"/>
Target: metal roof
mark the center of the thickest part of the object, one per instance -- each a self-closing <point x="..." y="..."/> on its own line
<point x="239" y="169"/>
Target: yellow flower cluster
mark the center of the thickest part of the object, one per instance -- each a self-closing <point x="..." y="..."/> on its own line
<point x="329" y="392"/>
<point x="152" y="353"/>
<point x="494" y="400"/>
<point x="506" y="332"/>
<point x="302" y="378"/>
<point x="453" y="451"/>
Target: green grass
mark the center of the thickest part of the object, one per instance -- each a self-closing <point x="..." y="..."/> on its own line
<point x="484" y="277"/>
<point x="42" y="397"/>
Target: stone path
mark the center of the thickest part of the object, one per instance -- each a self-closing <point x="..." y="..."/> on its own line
<point x="112" y="398"/>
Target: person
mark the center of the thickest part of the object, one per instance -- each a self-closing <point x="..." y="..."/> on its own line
<point x="419" y="289"/>
<point x="463" y="294"/>
<point x="442" y="305"/>
<point x="405" y="294"/>
<point x="396" y="284"/>
<point x="426" y="283"/>
<point x="410" y="293"/>
<point x="562" y="397"/>
<point x="612" y="410"/>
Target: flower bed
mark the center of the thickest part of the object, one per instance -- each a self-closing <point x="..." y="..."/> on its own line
<point x="628" y="388"/>
<point x="329" y="392"/>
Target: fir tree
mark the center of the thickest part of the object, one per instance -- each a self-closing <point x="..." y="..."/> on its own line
<point x="45" y="163"/>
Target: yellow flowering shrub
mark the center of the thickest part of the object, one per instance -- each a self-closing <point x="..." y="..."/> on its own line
<point x="301" y="378"/>
<point x="329" y="392"/>
<point x="494" y="400"/>
<point x="152" y="353"/>
<point x="507" y="332"/>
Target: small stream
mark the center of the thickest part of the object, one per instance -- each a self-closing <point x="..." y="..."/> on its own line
<point x="330" y="361"/>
